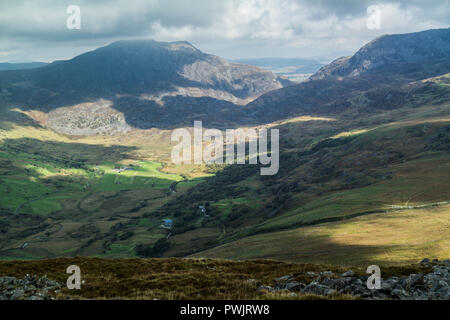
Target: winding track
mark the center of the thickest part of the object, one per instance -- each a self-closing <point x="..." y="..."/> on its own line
<point x="17" y="211"/>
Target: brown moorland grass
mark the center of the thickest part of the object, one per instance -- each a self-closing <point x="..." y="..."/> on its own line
<point x="193" y="279"/>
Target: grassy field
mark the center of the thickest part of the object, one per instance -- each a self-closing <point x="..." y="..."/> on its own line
<point x="413" y="183"/>
<point x="64" y="195"/>
<point x="390" y="238"/>
<point x="144" y="175"/>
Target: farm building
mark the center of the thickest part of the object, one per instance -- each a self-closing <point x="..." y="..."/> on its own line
<point x="167" y="224"/>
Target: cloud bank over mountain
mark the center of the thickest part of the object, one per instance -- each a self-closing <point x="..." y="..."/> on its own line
<point x="231" y="28"/>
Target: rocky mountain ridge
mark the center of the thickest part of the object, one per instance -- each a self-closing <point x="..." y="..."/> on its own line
<point x="383" y="74"/>
<point x="390" y="52"/>
<point x="144" y="83"/>
<point x="149" y="84"/>
<point x="137" y="68"/>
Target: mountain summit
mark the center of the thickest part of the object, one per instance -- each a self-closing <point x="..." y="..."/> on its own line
<point x="382" y="74"/>
<point x="147" y="67"/>
<point x="392" y="52"/>
<point x="136" y="84"/>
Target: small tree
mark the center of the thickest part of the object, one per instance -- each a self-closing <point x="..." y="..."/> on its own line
<point x="161" y="246"/>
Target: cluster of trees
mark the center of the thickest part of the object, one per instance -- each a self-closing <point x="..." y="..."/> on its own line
<point x="4" y="226"/>
<point x="153" y="251"/>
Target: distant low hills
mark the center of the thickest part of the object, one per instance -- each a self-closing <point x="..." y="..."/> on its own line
<point x="21" y="66"/>
<point x="295" y="69"/>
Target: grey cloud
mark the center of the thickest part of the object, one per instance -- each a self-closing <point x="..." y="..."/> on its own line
<point x="102" y="18"/>
<point x="231" y="28"/>
<point x="343" y="8"/>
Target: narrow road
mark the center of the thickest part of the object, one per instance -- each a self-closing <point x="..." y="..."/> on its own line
<point x="16" y="212"/>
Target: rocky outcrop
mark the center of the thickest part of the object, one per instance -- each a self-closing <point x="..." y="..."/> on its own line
<point x="434" y="285"/>
<point x="87" y="119"/>
<point x="28" y="288"/>
<point x="386" y="73"/>
<point x="389" y="51"/>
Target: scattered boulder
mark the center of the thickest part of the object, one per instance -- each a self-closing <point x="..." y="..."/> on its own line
<point x="432" y="286"/>
<point x="326" y="274"/>
<point x="284" y="279"/>
<point x="349" y="273"/>
<point x="265" y="288"/>
<point x="28" y="288"/>
<point x="294" y="286"/>
<point x="311" y="274"/>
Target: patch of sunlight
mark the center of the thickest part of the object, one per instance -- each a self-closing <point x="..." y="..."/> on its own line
<point x="350" y="133"/>
<point x="407" y="205"/>
<point x="306" y="119"/>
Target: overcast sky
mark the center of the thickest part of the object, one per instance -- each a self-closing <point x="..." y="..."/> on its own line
<point x="35" y="30"/>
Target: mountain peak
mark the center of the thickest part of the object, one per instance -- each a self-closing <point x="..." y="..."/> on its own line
<point x="137" y="77"/>
<point x="389" y="51"/>
<point x="149" y="66"/>
<point x="153" y="44"/>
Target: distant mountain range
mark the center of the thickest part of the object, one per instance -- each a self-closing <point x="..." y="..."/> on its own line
<point x="146" y="84"/>
<point x="295" y="69"/>
<point x="21" y="66"/>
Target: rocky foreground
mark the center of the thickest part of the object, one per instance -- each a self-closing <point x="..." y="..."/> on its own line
<point x="150" y="279"/>
<point x="28" y="288"/>
<point x="431" y="286"/>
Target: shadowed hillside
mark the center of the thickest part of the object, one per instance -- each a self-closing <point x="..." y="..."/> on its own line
<point x="351" y="148"/>
<point x="136" y="84"/>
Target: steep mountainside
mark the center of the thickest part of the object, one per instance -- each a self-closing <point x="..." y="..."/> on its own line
<point x="149" y="84"/>
<point x="136" y="78"/>
<point x="382" y="75"/>
<point x="395" y="52"/>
